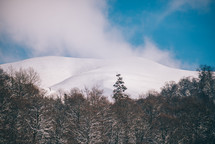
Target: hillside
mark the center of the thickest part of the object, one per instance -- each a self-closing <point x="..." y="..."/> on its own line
<point x="139" y="74"/>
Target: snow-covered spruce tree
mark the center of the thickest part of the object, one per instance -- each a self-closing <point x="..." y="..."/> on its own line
<point x="118" y="92"/>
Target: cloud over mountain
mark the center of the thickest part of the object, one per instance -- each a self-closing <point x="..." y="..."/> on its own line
<point x="77" y="28"/>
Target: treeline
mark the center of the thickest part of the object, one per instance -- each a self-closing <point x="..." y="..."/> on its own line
<point x="182" y="112"/>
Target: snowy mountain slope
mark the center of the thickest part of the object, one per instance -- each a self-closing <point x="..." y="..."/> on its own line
<point x="139" y="74"/>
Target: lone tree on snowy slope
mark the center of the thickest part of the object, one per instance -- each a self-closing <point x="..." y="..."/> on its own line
<point x="118" y="92"/>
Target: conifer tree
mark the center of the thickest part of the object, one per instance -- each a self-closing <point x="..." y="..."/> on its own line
<point x="118" y="92"/>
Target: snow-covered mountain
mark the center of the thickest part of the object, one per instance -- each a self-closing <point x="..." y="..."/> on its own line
<point x="139" y="74"/>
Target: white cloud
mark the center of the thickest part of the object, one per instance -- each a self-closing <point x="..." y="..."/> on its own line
<point x="198" y="4"/>
<point x="78" y="27"/>
<point x="181" y="5"/>
<point x="150" y="51"/>
<point x="69" y="27"/>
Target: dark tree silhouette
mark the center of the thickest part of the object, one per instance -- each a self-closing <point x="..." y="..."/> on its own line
<point x="118" y="92"/>
<point x="182" y="112"/>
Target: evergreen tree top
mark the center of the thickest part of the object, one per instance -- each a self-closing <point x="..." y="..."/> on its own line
<point x="118" y="92"/>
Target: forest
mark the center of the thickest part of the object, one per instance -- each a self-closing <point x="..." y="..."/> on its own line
<point x="182" y="112"/>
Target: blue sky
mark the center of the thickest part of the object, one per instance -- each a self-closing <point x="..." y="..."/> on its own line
<point x="171" y="32"/>
<point x="187" y="31"/>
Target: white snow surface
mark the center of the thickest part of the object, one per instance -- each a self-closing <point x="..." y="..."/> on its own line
<point x="64" y="73"/>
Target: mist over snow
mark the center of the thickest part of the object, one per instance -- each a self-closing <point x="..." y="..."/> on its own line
<point x="76" y="28"/>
